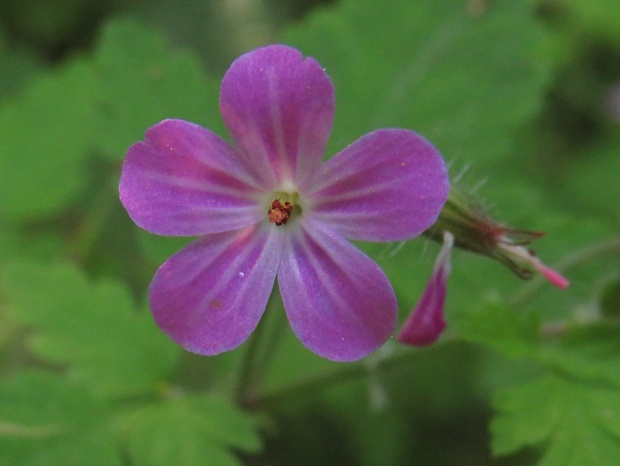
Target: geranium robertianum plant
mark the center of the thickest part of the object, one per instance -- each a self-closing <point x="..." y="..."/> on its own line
<point x="268" y="207"/>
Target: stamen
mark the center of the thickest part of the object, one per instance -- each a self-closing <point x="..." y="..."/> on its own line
<point x="280" y="213"/>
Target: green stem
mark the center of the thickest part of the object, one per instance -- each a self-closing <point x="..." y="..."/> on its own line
<point x="572" y="261"/>
<point x="248" y="373"/>
<point x="259" y="351"/>
<point x="343" y="373"/>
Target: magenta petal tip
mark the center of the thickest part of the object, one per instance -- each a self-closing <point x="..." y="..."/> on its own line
<point x="554" y="277"/>
<point x="426" y="323"/>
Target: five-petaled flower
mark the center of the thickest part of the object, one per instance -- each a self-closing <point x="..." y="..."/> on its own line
<point x="268" y="207"/>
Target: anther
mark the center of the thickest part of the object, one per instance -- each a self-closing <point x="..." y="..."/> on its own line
<point x="280" y="213"/>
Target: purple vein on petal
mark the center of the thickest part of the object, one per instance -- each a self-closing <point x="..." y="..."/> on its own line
<point x="389" y="185"/>
<point x="210" y="296"/>
<point x="184" y="180"/>
<point x="339" y="302"/>
<point x="278" y="108"/>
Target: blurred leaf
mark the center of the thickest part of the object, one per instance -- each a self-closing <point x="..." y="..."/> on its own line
<point x="590" y="352"/>
<point x="46" y="421"/>
<point x="587" y="183"/>
<point x="143" y="81"/>
<point x="45" y="134"/>
<point x="52" y="27"/>
<point x="600" y="18"/>
<point x="15" y="242"/>
<point x="466" y="82"/>
<point x="610" y="299"/>
<point x="381" y="437"/>
<point x="499" y="327"/>
<point x="17" y="67"/>
<point x="574" y="409"/>
<point x="93" y="328"/>
<point x="192" y="430"/>
<point x="159" y="248"/>
<point x="579" y="423"/>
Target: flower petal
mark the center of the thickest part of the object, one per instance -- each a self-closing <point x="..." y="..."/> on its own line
<point x="426" y="322"/>
<point x="279" y="109"/>
<point x="339" y="302"/>
<point x="183" y="180"/>
<point x="210" y="296"/>
<point x="389" y="185"/>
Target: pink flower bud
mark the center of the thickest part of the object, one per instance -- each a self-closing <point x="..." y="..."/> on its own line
<point x="426" y="323"/>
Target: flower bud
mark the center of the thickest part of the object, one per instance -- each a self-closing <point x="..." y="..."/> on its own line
<point x="464" y="223"/>
<point x="473" y="229"/>
<point x="426" y="322"/>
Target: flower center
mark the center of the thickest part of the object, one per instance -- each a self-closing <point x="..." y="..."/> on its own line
<point x="280" y="213"/>
<point x="282" y="207"/>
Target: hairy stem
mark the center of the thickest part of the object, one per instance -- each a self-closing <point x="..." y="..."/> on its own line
<point x="330" y="378"/>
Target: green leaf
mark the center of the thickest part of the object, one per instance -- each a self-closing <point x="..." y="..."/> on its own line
<point x="191" y="430"/>
<point x="610" y="299"/>
<point x="17" y="67"/>
<point x="599" y="18"/>
<point x="499" y="327"/>
<point x="92" y="328"/>
<point x="15" y="242"/>
<point x="45" y="420"/>
<point x="591" y="353"/>
<point x="579" y="423"/>
<point x="586" y="183"/>
<point x="466" y="82"/>
<point x="574" y="409"/>
<point x="143" y="81"/>
<point x="45" y="134"/>
<point x="159" y="248"/>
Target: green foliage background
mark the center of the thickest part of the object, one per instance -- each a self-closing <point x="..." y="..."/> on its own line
<point x="517" y="94"/>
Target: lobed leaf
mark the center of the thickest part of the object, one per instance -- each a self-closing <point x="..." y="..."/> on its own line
<point x="590" y="352"/>
<point x="191" y="430"/>
<point x="45" y="420"/>
<point x="499" y="327"/>
<point x="578" y="423"/>
<point x="92" y="328"/>
<point x="143" y="80"/>
<point x="46" y="132"/>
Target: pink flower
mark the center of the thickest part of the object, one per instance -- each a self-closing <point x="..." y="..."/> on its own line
<point x="268" y="207"/>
